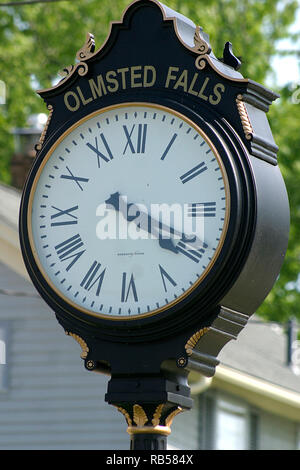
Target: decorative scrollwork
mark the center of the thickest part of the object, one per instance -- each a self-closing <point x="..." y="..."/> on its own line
<point x="82" y="69"/>
<point x="64" y="73"/>
<point x="200" y="63"/>
<point x="87" y="49"/>
<point x="82" y="55"/>
<point x="201" y="47"/>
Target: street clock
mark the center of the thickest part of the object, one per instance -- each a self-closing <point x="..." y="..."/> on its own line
<point x="154" y="221"/>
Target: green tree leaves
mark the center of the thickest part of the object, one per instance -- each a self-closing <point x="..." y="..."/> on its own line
<point x="284" y="300"/>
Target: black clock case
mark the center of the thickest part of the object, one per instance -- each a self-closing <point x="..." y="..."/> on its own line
<point x="257" y="235"/>
<point x="229" y="263"/>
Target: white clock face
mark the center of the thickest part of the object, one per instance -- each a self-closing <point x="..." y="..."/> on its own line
<point x="97" y="201"/>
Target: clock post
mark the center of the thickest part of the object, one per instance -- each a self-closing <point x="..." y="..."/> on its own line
<point x="149" y="222"/>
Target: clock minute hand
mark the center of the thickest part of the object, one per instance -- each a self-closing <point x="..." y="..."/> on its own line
<point x="153" y="226"/>
<point x="114" y="201"/>
<point x="190" y="246"/>
<point x="149" y="222"/>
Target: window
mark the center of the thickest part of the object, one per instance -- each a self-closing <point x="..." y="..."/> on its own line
<point x="227" y="423"/>
<point x="231" y="426"/>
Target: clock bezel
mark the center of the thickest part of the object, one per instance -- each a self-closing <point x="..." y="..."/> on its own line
<point x="37" y="176"/>
<point x="204" y="297"/>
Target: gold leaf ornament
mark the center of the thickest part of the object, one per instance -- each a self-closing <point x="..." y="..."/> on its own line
<point x="139" y="416"/>
<point x="82" y="343"/>
<point x="157" y="415"/>
<point x="126" y="414"/>
<point x="172" y="415"/>
<point x="194" y="340"/>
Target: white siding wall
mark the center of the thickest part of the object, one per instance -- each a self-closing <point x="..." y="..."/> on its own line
<point x="273" y="432"/>
<point x="277" y="433"/>
<point x="51" y="401"/>
<point x="185" y="430"/>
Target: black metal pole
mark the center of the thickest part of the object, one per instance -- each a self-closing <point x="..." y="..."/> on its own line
<point x="149" y="440"/>
<point x="149" y="405"/>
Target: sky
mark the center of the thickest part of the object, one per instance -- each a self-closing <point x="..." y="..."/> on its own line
<point x="287" y="69"/>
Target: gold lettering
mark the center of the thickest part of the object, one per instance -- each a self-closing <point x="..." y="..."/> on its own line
<point x="190" y="90"/>
<point x="112" y="81"/>
<point x="123" y="75"/>
<point x="99" y="88"/>
<point x="218" y="89"/>
<point x="182" y="81"/>
<point x="170" y="76"/>
<point x="201" y="92"/>
<point x="136" y="75"/>
<point x="149" y="68"/>
<point x="83" y="100"/>
<point x="67" y="103"/>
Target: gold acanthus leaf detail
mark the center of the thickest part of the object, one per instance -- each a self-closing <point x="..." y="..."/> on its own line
<point x="126" y="414"/>
<point x="157" y="415"/>
<point x="191" y="343"/>
<point x="169" y="419"/>
<point x="82" y="343"/>
<point x="139" y="416"/>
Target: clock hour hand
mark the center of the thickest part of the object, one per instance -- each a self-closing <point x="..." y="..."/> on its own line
<point x="114" y="201"/>
<point x="149" y="223"/>
<point x="191" y="246"/>
<point x="152" y="226"/>
<point x="167" y="244"/>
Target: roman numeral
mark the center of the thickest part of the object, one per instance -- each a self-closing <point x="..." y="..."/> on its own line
<point x="193" y="172"/>
<point x="99" y="154"/>
<point x="91" y="278"/>
<point x="131" y="288"/>
<point x="77" y="179"/>
<point x="168" y="147"/>
<point x="165" y="276"/>
<point x="202" y="209"/>
<point x="69" y="250"/>
<point x="139" y="144"/>
<point x="61" y="213"/>
<point x="188" y="250"/>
